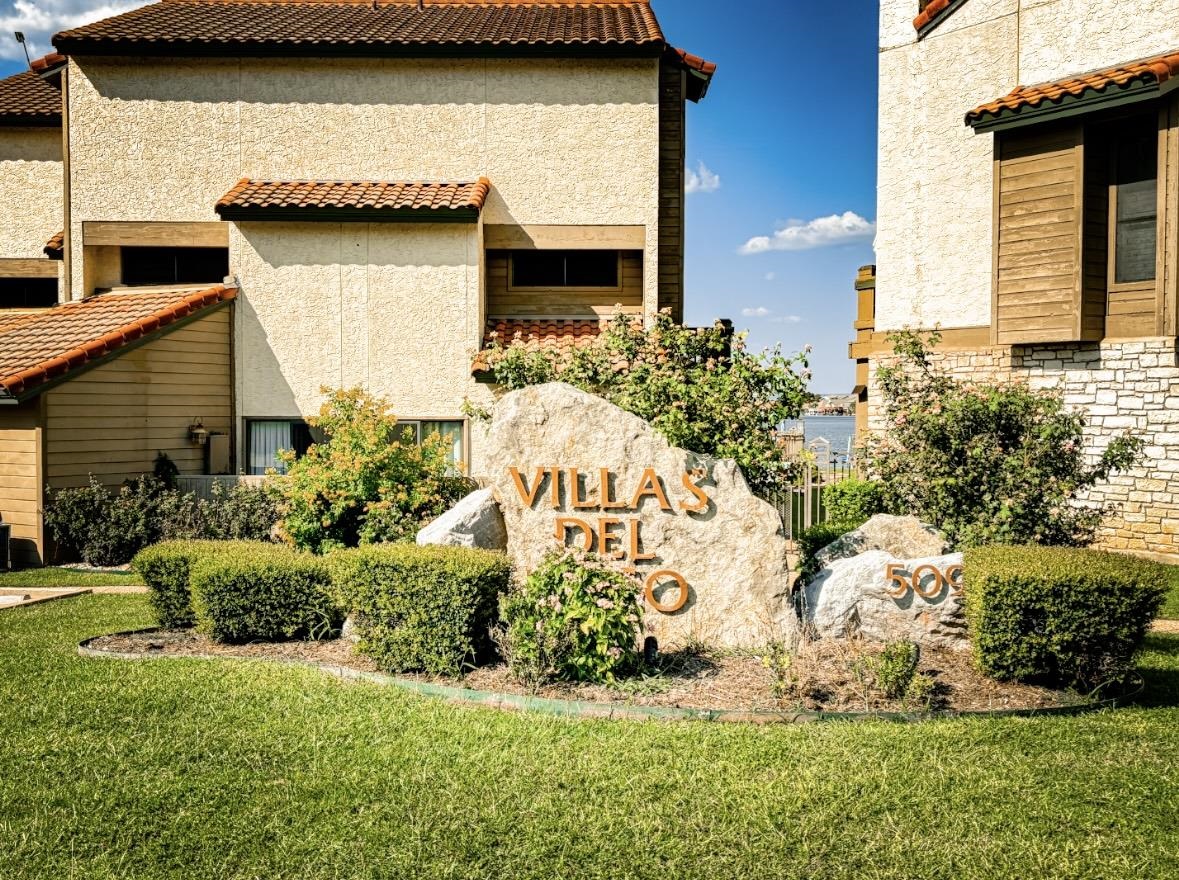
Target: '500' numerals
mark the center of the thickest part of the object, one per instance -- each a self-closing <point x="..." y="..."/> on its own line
<point x="901" y="581"/>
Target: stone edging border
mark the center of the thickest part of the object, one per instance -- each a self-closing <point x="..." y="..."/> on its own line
<point x="583" y="709"/>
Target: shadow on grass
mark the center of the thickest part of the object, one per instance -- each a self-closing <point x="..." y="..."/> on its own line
<point x="1159" y="666"/>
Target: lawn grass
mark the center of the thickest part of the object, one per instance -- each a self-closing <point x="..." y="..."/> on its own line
<point x="1170" y="609"/>
<point x="39" y="578"/>
<point x="201" y="769"/>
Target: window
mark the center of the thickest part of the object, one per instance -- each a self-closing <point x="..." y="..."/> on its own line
<point x="1133" y="205"/>
<point x="451" y="432"/>
<point x="265" y="438"/>
<point x="565" y="269"/>
<point x="28" y="293"/>
<point x="174" y="265"/>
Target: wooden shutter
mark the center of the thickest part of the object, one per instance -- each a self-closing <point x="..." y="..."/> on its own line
<point x="1039" y="291"/>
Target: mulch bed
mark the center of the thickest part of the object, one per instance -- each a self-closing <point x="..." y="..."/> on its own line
<point x="822" y="677"/>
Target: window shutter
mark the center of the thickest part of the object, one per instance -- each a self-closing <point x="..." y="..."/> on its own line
<point x="1040" y="294"/>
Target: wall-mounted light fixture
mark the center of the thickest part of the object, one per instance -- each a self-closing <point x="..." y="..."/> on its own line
<point x="197" y="433"/>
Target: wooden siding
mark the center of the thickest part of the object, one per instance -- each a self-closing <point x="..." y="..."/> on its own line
<point x="504" y="302"/>
<point x="1038" y="293"/>
<point x="21" y="480"/>
<point x="672" y="129"/>
<point x="112" y="421"/>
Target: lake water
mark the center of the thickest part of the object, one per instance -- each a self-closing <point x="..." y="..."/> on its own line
<point x="838" y="429"/>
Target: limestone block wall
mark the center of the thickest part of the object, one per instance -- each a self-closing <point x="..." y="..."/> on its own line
<point x="1122" y="386"/>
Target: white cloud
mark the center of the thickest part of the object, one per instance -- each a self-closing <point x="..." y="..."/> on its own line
<point x="701" y="180"/>
<point x="787" y="319"/>
<point x="757" y="312"/>
<point x="41" y="19"/>
<point x="770" y="276"/>
<point x="799" y="235"/>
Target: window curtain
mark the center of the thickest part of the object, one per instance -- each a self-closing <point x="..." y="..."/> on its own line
<point x="451" y="432"/>
<point x="266" y="439"/>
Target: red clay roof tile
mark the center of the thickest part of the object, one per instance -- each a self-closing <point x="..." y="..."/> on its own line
<point x="262" y="196"/>
<point x="1157" y="69"/>
<point x="27" y="100"/>
<point x="43" y="346"/>
<point x="930" y="12"/>
<point x="55" y="247"/>
<point x="358" y="27"/>
<point x="557" y="335"/>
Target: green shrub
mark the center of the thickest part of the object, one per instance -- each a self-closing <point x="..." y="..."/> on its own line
<point x="368" y="482"/>
<point x="574" y="619"/>
<point x="987" y="463"/>
<point x="1060" y="616"/>
<point x="262" y="592"/>
<point x="165" y="569"/>
<point x="701" y="388"/>
<point x="101" y="527"/>
<point x="107" y="528"/>
<point x="894" y="668"/>
<point x="421" y="609"/>
<point x="811" y="541"/>
<point x="853" y="501"/>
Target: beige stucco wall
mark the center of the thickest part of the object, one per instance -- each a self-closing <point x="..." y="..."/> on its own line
<point x="563" y="141"/>
<point x="934" y="214"/>
<point x="393" y="307"/>
<point x="31" y="185"/>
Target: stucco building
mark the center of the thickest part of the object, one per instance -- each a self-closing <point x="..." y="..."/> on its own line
<point x="362" y="191"/>
<point x="1029" y="208"/>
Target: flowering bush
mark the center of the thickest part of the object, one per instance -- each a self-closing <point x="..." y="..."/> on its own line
<point x="368" y="483"/>
<point x="700" y="388"/>
<point x="986" y="463"/>
<point x="574" y="618"/>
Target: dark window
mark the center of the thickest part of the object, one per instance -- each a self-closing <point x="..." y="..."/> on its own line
<point x="168" y="265"/>
<point x="565" y="269"/>
<point x="28" y="293"/>
<point x="265" y="438"/>
<point x="1135" y="206"/>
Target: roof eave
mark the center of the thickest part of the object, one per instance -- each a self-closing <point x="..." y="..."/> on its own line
<point x="925" y="26"/>
<point x="30" y="120"/>
<point x="249" y="49"/>
<point x="1088" y="102"/>
<point x="345" y="215"/>
<point x="7" y="398"/>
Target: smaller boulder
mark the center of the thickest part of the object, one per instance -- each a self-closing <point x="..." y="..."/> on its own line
<point x="854" y="597"/>
<point x="476" y="521"/>
<point x="350" y="632"/>
<point x="904" y="537"/>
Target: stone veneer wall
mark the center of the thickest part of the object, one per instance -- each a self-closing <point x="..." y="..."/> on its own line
<point x="1122" y="386"/>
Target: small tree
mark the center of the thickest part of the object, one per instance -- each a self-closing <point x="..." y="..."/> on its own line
<point x="369" y="482"/>
<point x="700" y="388"/>
<point x="987" y="463"/>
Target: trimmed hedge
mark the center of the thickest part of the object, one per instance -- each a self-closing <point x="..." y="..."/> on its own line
<point x="814" y="539"/>
<point x="1059" y="616"/>
<point x="262" y="592"/>
<point x="165" y="569"/>
<point x="421" y="609"/>
<point x="853" y="501"/>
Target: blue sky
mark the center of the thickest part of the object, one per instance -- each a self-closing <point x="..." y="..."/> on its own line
<point x="787" y="138"/>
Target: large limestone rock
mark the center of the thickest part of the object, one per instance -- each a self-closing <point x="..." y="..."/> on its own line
<point x="855" y="596"/>
<point x="565" y="463"/>
<point x="475" y="521"/>
<point x="905" y="537"/>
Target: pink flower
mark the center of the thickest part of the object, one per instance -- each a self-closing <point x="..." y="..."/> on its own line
<point x="604" y="603"/>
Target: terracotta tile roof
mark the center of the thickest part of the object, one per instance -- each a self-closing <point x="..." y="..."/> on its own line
<point x="1156" y="70"/>
<point x="55" y="247"/>
<point x="700" y="71"/>
<point x="931" y="12"/>
<point x="48" y="63"/>
<point x="322" y="28"/>
<point x="43" y="346"/>
<point x="281" y="198"/>
<point x="559" y="335"/>
<point x="27" y="100"/>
